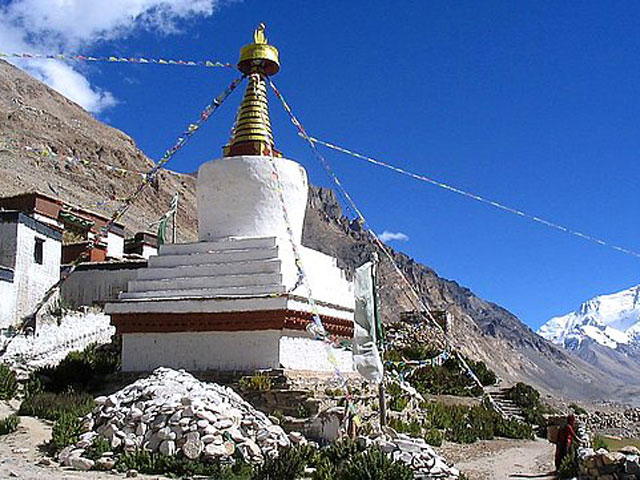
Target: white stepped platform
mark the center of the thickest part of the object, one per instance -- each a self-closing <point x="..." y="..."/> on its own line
<point x="184" y="276"/>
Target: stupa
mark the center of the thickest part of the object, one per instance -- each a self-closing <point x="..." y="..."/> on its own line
<point x="234" y="299"/>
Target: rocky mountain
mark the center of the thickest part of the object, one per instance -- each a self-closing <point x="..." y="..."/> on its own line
<point x="50" y="144"/>
<point x="604" y="331"/>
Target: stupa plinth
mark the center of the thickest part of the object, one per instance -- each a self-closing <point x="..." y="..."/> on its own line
<point x="233" y="300"/>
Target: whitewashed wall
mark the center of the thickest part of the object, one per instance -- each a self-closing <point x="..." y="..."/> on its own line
<point x="199" y="351"/>
<point x="115" y="245"/>
<point x="300" y="352"/>
<point x="7" y="303"/>
<point x="88" y="287"/>
<point x="31" y="279"/>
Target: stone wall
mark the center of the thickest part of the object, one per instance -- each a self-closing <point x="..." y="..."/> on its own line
<point x="604" y="465"/>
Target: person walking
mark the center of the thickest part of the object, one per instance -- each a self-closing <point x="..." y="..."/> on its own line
<point x="567" y="436"/>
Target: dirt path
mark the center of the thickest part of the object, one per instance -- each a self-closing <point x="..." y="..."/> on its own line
<point x="502" y="459"/>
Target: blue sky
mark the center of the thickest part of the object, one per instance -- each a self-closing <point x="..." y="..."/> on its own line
<point x="532" y="104"/>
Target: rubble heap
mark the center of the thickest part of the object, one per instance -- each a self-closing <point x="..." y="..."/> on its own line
<point x="172" y="412"/>
<point x="415" y="452"/>
<point x="604" y="465"/>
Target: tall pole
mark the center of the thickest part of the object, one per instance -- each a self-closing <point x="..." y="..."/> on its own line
<point x="382" y="400"/>
<point x="175" y="220"/>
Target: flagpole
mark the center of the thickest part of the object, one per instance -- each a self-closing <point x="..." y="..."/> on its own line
<point x="175" y="220"/>
<point x="382" y="400"/>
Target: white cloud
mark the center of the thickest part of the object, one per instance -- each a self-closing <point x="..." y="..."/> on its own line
<point x="52" y="26"/>
<point x="399" y="236"/>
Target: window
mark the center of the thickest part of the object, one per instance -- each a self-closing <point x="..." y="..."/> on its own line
<point x="38" y="251"/>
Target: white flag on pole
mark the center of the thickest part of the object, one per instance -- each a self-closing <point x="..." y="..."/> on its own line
<point x="366" y="356"/>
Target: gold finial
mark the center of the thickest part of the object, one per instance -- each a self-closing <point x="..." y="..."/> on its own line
<point x="259" y="56"/>
<point x="252" y="129"/>
<point x="258" y="34"/>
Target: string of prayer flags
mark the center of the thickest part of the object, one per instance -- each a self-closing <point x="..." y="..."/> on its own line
<point x="117" y="59"/>
<point x="478" y="198"/>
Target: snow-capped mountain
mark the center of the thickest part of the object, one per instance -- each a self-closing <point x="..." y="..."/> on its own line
<point x="612" y="321"/>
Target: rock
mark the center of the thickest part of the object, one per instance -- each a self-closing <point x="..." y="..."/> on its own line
<point x="192" y="449"/>
<point x="105" y="463"/>
<point x="81" y="463"/>
<point x="296" y="437"/>
<point x="132" y="473"/>
<point x="630" y="450"/>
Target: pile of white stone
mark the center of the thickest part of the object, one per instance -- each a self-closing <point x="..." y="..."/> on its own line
<point x="172" y="412"/>
<point x="416" y="453"/>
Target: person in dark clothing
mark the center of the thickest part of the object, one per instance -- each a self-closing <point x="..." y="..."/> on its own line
<point x="567" y="437"/>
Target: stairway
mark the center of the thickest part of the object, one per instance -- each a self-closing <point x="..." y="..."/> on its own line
<point x="506" y="406"/>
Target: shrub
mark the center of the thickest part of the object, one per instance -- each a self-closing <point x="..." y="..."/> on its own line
<point x="599" y="442"/>
<point x="65" y="431"/>
<point x="569" y="467"/>
<point x="78" y="370"/>
<point x="486" y="376"/>
<point x="260" y="383"/>
<point x="289" y="465"/>
<point x="434" y="437"/>
<point x="577" y="409"/>
<point x="373" y="464"/>
<point x="9" y="424"/>
<point x="512" y="428"/>
<point x="157" y="464"/>
<point x="8" y="383"/>
<point x="445" y="379"/>
<point x="412" y="428"/>
<point x="399" y="400"/>
<point x="523" y="395"/>
<point x="528" y="399"/>
<point x="51" y="406"/>
<point x="99" y="446"/>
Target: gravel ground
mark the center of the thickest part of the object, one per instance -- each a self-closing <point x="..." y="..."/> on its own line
<point x="502" y="459"/>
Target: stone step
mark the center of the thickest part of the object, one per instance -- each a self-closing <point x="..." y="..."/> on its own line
<point x="186" y="283"/>
<point x="217" y="246"/>
<point x="206" y="292"/>
<point x="211" y="269"/>
<point x="225" y="256"/>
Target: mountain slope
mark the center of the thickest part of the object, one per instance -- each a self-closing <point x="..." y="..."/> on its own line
<point x="36" y="117"/>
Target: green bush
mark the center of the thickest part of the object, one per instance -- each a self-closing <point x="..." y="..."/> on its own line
<point x="412" y="428"/>
<point x="373" y="464"/>
<point x="78" y="371"/>
<point x="99" y="446"/>
<point x="65" y="431"/>
<point x="523" y="395"/>
<point x="9" y="424"/>
<point x="398" y="401"/>
<point x="434" y="437"/>
<point x="569" y="467"/>
<point x="158" y="464"/>
<point x="599" y="442"/>
<point x="289" y="465"/>
<point x="528" y="399"/>
<point x="486" y="376"/>
<point x="512" y="428"/>
<point x="577" y="409"/>
<point x="52" y="406"/>
<point x="8" y="383"/>
<point x="257" y="383"/>
<point x="445" y="379"/>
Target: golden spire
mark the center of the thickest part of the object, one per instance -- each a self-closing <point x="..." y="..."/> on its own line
<point x="252" y="129"/>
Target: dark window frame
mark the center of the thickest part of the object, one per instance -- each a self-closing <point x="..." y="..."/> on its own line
<point x="38" y="251"/>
